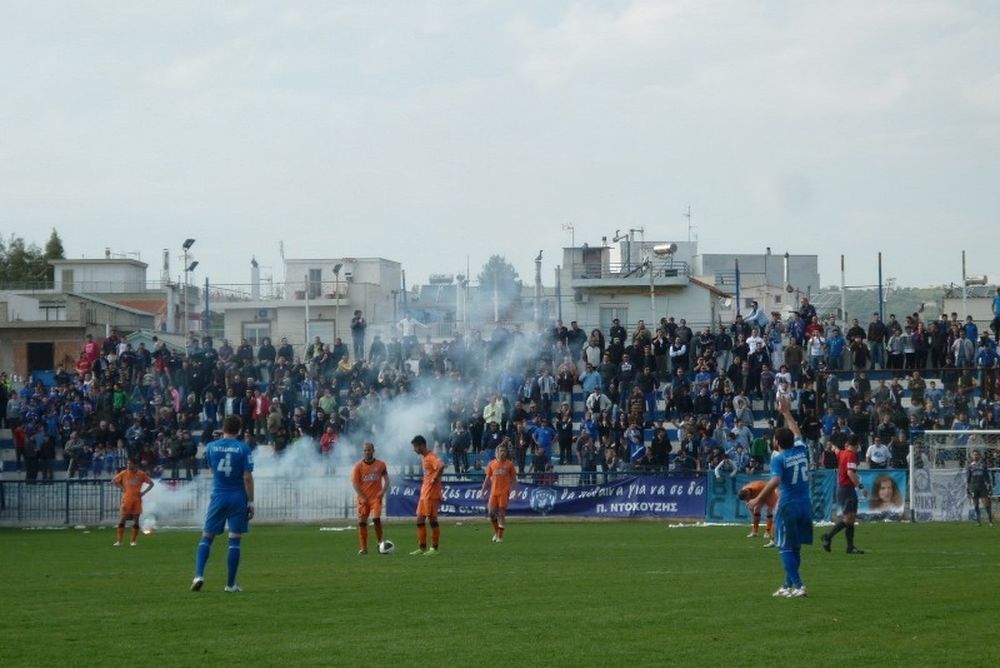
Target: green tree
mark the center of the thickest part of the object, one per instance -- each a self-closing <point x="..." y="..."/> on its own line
<point x="54" y="247"/>
<point x="23" y="264"/>
<point x="498" y="274"/>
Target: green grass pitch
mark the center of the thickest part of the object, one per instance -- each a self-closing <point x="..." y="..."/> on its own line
<point x="554" y="593"/>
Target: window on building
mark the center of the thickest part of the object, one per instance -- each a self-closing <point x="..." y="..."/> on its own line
<point x="315" y="283"/>
<point x="256" y="332"/>
<point x="53" y="312"/>
<point x="609" y="313"/>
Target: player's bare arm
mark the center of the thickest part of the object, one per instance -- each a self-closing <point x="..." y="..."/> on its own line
<point x="785" y="408"/>
<point x="771" y="485"/>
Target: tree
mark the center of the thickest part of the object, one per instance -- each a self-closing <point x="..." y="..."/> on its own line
<point x="54" y="247"/>
<point x="498" y="274"/>
<point x="23" y="264"/>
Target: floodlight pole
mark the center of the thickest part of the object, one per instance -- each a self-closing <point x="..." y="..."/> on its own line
<point x="881" y="294"/>
<point x="736" y="262"/>
<point x="965" y="292"/>
<point x="843" y="295"/>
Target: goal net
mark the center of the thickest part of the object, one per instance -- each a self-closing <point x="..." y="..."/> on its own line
<point x="937" y="464"/>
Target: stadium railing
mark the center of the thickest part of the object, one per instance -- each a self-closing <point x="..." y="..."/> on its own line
<point x="279" y="499"/>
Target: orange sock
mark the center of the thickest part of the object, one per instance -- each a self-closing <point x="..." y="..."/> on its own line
<point x="496" y="525"/>
<point x="435" y="536"/>
<point x="135" y="534"/>
<point x="422" y="536"/>
<point x="770" y="527"/>
<point x="378" y="532"/>
<point x="363" y="536"/>
<point x="500" y="531"/>
<point x="120" y="533"/>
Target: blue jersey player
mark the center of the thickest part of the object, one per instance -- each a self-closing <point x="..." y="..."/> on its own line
<point x="231" y="461"/>
<point x="793" y="518"/>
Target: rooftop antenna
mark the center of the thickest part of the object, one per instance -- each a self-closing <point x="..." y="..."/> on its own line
<point x="687" y="214"/>
<point x="568" y="227"/>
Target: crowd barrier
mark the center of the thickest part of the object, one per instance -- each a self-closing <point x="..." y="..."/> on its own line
<point x="295" y="499"/>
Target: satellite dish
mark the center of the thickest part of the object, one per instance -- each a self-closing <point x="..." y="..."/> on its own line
<point x="789" y="289"/>
<point x="726" y="302"/>
<point x="665" y="249"/>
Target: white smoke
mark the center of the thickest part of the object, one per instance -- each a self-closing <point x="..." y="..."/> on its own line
<point x="302" y="485"/>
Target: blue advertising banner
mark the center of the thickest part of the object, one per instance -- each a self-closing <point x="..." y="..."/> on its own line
<point x="639" y="496"/>
<point x="887" y="490"/>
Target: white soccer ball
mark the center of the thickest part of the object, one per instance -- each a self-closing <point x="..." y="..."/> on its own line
<point x="386" y="547"/>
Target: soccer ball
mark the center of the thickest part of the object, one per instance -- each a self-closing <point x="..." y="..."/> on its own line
<point x="386" y="547"/>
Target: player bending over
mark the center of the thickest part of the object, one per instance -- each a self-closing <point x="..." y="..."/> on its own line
<point x="134" y="485"/>
<point x="231" y="461"/>
<point x="430" y="497"/>
<point x="501" y="476"/>
<point x="790" y="475"/>
<point x="749" y="491"/>
<point x="371" y="481"/>
<point x="979" y="481"/>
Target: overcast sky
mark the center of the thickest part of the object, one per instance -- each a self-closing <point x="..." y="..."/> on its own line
<point x="428" y="132"/>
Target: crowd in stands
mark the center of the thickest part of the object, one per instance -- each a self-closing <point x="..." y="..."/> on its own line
<point x="660" y="398"/>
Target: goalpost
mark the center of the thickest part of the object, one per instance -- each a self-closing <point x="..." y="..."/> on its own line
<point x="937" y="462"/>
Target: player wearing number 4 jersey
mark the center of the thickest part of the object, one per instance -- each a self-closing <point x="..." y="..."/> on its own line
<point x="789" y="475"/>
<point x="231" y="461"/>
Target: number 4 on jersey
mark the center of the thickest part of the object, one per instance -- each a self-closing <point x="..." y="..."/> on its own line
<point x="225" y="465"/>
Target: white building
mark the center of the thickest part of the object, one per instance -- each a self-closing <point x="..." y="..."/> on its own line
<point x="104" y="276"/>
<point x="318" y="298"/>
<point x="632" y="282"/>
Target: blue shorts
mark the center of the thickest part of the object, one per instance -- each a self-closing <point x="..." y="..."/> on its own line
<point x="793" y="525"/>
<point x="227" y="508"/>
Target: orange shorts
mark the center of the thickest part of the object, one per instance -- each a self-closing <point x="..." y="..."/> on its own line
<point x="428" y="507"/>
<point x="132" y="507"/>
<point x="499" y="501"/>
<point x="368" y="508"/>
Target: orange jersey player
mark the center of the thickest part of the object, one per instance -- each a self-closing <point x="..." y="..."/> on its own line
<point x="134" y="485"/>
<point x="502" y="477"/>
<point x="430" y="497"/>
<point x="751" y="490"/>
<point x="371" y="482"/>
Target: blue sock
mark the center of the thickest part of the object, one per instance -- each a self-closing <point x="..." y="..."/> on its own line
<point x="791" y="563"/>
<point x="798" y="564"/>
<point x="201" y="556"/>
<point x="233" y="560"/>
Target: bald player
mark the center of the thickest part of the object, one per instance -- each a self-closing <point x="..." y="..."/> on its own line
<point x="430" y="497"/>
<point x="501" y="477"/>
<point x="134" y="485"/>
<point x="371" y="482"/>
